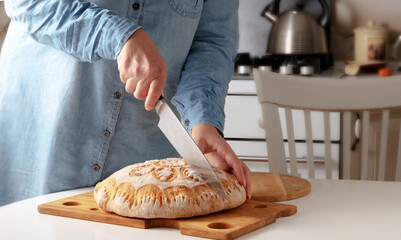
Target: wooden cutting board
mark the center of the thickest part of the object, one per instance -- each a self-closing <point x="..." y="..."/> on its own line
<point x="230" y="224"/>
<point x="275" y="187"/>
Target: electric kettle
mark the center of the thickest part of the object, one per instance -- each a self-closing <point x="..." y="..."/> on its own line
<point x="296" y="31"/>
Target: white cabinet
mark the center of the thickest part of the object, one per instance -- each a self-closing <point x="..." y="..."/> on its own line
<point x="244" y="117"/>
<point x="243" y="127"/>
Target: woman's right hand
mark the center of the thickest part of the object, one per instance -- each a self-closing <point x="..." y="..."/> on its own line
<point x="142" y="68"/>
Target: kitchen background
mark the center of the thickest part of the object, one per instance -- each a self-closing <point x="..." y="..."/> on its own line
<point x="244" y="129"/>
<point x="244" y="123"/>
<point x="345" y="16"/>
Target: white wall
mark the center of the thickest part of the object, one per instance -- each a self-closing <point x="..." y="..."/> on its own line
<point x="350" y="14"/>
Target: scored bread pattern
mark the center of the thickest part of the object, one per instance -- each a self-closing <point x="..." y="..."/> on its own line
<point x="167" y="188"/>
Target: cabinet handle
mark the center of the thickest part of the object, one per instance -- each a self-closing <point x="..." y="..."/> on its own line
<point x="261" y="123"/>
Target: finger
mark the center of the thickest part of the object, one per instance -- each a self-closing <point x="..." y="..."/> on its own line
<point x="217" y="161"/>
<point x="122" y="65"/>
<point x="130" y="85"/>
<point x="247" y="174"/>
<point x="123" y="79"/>
<point x="142" y="88"/>
<point x="240" y="170"/>
<point x="235" y="163"/>
<point x="226" y="153"/>
<point x="154" y="92"/>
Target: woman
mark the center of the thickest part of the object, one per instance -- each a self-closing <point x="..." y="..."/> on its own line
<point x="69" y="69"/>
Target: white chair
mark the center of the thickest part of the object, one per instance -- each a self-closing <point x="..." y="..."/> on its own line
<point x="368" y="97"/>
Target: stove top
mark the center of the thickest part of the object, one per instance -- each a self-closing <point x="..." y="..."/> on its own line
<point x="285" y="64"/>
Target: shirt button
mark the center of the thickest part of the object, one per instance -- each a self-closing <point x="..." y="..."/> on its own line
<point x="117" y="95"/>
<point x="135" y="6"/>
<point x="96" y="167"/>
<point x="186" y="122"/>
<point x="106" y="133"/>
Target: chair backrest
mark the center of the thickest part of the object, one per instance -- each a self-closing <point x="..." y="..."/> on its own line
<point x="372" y="103"/>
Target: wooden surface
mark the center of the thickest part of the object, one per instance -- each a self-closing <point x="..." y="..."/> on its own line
<point x="275" y="187"/>
<point x="228" y="224"/>
<point x="254" y="214"/>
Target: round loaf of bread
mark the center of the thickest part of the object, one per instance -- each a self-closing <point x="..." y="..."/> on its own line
<point x="167" y="188"/>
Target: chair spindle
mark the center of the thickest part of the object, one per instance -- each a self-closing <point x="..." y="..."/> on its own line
<point x="291" y="141"/>
<point x="327" y="145"/>
<point x="398" y="166"/>
<point x="309" y="144"/>
<point x="346" y="145"/>
<point x="383" y="144"/>
<point x="365" y="145"/>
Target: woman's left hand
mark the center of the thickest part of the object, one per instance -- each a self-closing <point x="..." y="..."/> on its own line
<point x="220" y="154"/>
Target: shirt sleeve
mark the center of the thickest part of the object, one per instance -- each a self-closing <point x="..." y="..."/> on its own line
<point x="202" y="90"/>
<point x="78" y="28"/>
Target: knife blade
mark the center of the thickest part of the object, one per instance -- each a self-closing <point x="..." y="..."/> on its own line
<point x="186" y="146"/>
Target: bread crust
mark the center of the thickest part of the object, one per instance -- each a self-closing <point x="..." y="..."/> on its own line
<point x="167" y="188"/>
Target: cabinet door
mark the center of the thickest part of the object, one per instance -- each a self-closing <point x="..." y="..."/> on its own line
<point x="243" y="117"/>
<point x="244" y="120"/>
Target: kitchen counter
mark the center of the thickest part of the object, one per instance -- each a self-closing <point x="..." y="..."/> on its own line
<point x="335" y="209"/>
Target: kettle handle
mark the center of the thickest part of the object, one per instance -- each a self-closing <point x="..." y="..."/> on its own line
<point x="325" y="16"/>
<point x="271" y="11"/>
<point x="274" y="7"/>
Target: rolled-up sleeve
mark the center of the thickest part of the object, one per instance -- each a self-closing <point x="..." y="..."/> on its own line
<point x="78" y="28"/>
<point x="201" y="93"/>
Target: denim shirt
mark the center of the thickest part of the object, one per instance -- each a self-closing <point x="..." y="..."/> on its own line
<point x="65" y="118"/>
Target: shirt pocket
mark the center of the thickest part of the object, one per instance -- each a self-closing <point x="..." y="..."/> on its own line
<point x="187" y="8"/>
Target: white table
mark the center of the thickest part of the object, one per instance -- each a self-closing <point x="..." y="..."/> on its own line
<point x="335" y="209"/>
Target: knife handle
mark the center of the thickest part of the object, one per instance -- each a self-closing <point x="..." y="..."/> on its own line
<point x="159" y="103"/>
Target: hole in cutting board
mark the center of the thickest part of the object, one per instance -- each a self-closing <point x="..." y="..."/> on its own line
<point x="93" y="209"/>
<point x="260" y="206"/>
<point x="71" y="203"/>
<point x="220" y="225"/>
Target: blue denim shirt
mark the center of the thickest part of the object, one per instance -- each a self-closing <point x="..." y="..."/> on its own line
<point x="66" y="121"/>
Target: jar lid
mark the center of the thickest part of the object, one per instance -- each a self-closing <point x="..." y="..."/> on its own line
<point x="370" y="26"/>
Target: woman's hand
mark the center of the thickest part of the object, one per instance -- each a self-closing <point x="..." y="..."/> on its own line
<point x="142" y="68"/>
<point x="220" y="154"/>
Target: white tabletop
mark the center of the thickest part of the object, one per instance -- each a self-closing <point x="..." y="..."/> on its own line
<point x="335" y="209"/>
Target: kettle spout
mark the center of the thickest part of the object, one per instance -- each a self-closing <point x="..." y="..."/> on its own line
<point x="270" y="16"/>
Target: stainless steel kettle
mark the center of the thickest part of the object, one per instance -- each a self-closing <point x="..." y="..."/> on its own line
<point x="296" y="31"/>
